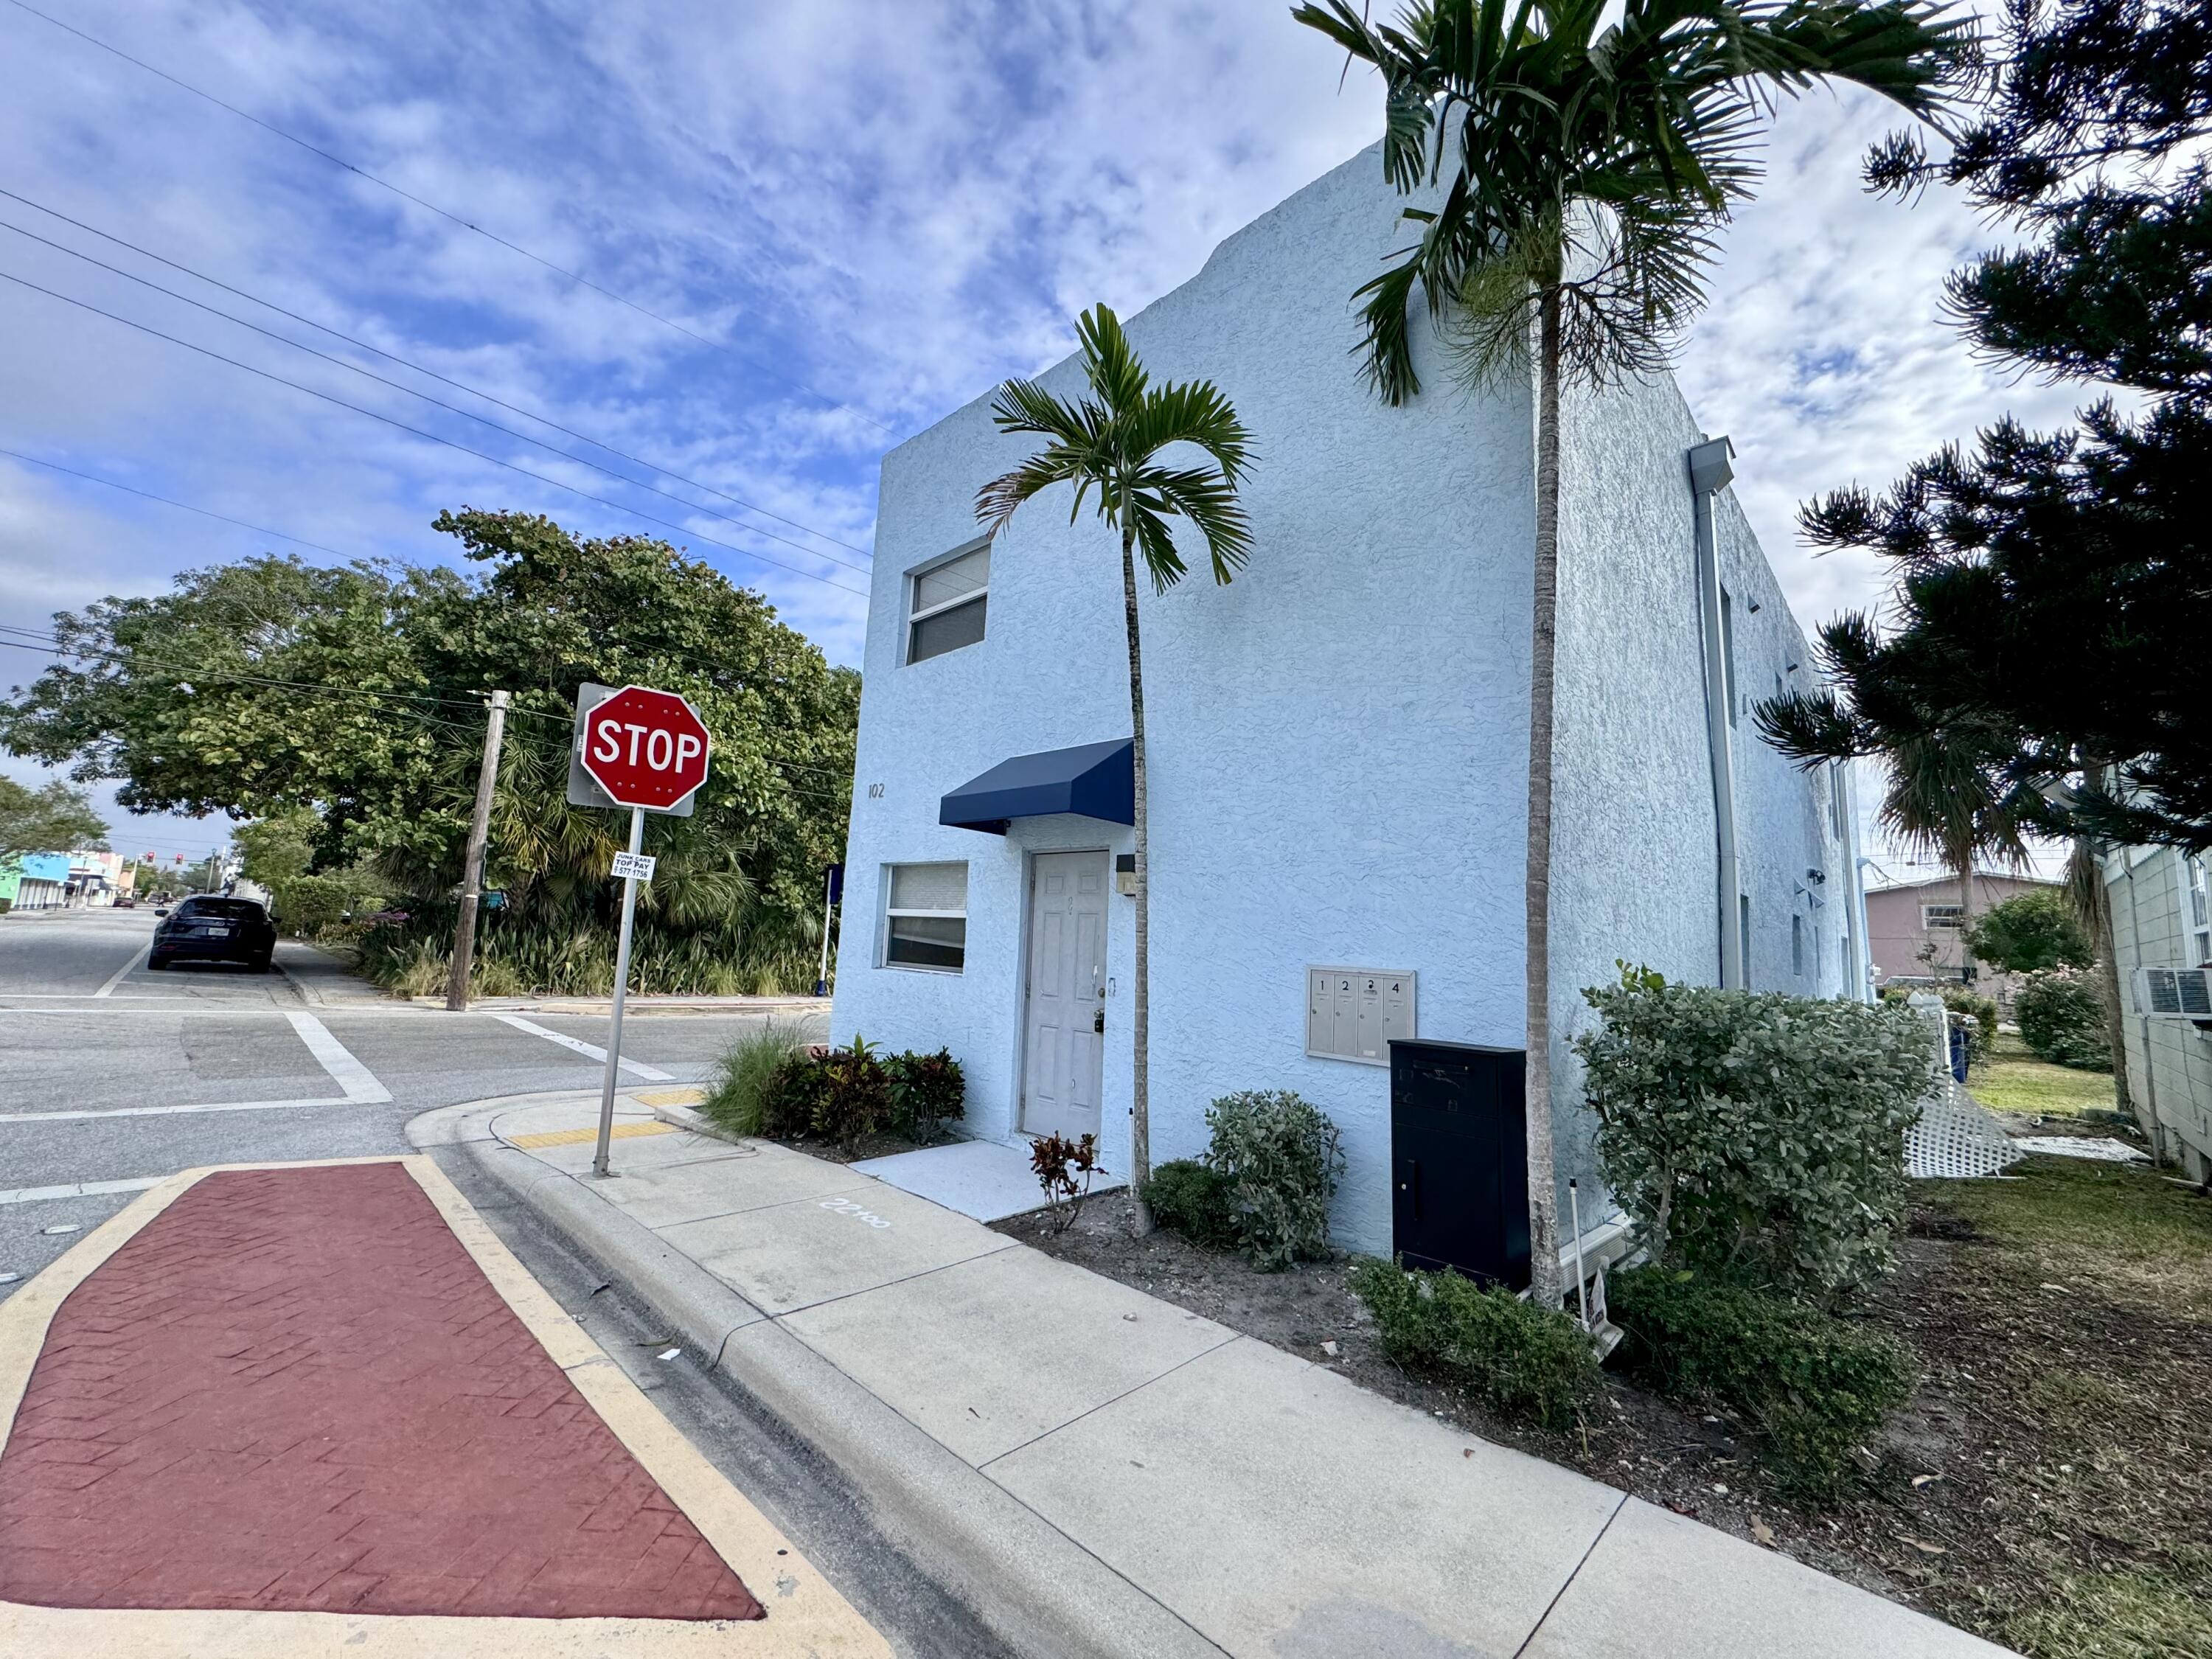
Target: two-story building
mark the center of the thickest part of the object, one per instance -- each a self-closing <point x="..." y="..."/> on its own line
<point x="1337" y="739"/>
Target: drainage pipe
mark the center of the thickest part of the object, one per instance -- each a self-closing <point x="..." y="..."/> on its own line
<point x="1710" y="471"/>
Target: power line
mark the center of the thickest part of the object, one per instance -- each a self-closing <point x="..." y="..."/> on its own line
<point x="389" y="356"/>
<point x="433" y="437"/>
<point x="527" y="713"/>
<point x="183" y="507"/>
<point x="455" y="218"/>
<point x="438" y="403"/>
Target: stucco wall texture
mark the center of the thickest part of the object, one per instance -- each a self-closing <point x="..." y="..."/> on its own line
<point x="1338" y="738"/>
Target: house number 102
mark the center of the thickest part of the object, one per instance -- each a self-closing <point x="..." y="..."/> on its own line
<point x="875" y="792"/>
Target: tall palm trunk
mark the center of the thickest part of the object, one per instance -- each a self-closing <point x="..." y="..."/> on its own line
<point x="1962" y="866"/>
<point x="2093" y="907"/>
<point x="1543" y="1202"/>
<point x="1140" y="1121"/>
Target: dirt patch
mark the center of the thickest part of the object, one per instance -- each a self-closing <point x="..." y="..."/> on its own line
<point x="2046" y="1486"/>
<point x="867" y="1146"/>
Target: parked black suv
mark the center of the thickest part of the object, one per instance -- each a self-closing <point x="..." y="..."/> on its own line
<point x="215" y="930"/>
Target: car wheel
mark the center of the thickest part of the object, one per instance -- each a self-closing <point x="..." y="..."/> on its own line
<point x="154" y="964"/>
<point x="259" y="965"/>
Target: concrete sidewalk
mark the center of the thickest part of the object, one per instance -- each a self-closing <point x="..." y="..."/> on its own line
<point x="1100" y="1472"/>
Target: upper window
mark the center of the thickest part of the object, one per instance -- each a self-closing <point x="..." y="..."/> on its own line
<point x="926" y="916"/>
<point x="945" y="603"/>
<point x="1942" y="916"/>
<point x="2200" y="909"/>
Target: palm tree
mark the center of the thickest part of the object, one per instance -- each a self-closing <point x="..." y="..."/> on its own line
<point x="1595" y="169"/>
<point x="1112" y="442"/>
<point x="1948" y="797"/>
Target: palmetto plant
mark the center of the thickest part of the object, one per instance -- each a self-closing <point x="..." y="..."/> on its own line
<point x="1112" y="443"/>
<point x="1579" y="176"/>
<point x="1949" y="797"/>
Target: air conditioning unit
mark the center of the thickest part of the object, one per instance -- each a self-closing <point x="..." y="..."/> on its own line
<point x="2173" y="992"/>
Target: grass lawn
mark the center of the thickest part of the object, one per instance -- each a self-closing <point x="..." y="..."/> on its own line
<point x="2064" y="1321"/>
<point x="2014" y="1080"/>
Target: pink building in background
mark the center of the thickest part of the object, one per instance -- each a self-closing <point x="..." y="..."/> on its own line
<point x="1914" y="930"/>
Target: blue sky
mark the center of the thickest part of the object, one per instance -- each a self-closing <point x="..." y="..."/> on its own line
<point x="875" y="210"/>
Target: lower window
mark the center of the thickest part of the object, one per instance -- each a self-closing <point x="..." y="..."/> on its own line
<point x="926" y="916"/>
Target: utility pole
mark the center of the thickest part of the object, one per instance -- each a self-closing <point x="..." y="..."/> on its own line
<point x="464" y="930"/>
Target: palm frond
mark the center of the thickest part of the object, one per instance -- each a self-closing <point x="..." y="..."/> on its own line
<point x="1654" y="120"/>
<point x="997" y="500"/>
<point x="1190" y="412"/>
<point x="1207" y="497"/>
<point x="1110" y="443"/>
<point x="1110" y="361"/>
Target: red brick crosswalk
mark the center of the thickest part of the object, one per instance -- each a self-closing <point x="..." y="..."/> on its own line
<point x="293" y="1389"/>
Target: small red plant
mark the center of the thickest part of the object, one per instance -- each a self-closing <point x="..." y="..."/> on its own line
<point x="1058" y="1161"/>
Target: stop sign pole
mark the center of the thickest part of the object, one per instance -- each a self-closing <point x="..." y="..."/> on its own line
<point x="645" y="750"/>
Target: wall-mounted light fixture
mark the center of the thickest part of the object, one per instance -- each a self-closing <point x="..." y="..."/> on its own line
<point x="1125" y="874"/>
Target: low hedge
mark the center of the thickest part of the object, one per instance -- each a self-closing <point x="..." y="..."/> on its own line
<point x="1519" y="1357"/>
<point x="1816" y="1386"/>
<point x="1198" y="1202"/>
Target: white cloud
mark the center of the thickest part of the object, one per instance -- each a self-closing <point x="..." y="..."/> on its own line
<point x="893" y="204"/>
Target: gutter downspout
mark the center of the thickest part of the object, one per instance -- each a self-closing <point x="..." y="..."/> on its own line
<point x="1865" y="964"/>
<point x="1710" y="471"/>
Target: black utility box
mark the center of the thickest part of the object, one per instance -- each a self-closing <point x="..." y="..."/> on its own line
<point x="1459" y="1159"/>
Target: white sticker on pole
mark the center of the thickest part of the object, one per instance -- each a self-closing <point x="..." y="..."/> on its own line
<point x="636" y="865"/>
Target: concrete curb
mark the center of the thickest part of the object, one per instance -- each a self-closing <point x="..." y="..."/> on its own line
<point x="1036" y="1588"/>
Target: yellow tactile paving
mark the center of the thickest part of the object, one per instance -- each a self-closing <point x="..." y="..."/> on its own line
<point x="577" y="1137"/>
<point x="671" y="1098"/>
<point x="806" y="1616"/>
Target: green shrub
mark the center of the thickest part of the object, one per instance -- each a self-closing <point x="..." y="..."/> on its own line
<point x="2029" y="932"/>
<point x="925" y="1091"/>
<point x="1815" y="1386"/>
<point x="1519" y="1357"/>
<point x="1981" y="1035"/>
<point x="842" y="1095"/>
<point x="787" y="1094"/>
<point x="1279" y="1154"/>
<point x="2062" y="1021"/>
<point x="1756" y="1137"/>
<point x="737" y="1099"/>
<point x="1196" y="1201"/>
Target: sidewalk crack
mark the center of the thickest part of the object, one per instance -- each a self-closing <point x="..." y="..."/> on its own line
<point x="1216" y="1348"/>
<point x="1548" y="1606"/>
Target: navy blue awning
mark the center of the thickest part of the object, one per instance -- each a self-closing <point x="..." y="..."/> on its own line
<point x="1093" y="780"/>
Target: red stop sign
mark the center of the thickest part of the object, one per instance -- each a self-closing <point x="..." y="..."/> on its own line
<point x="645" y="748"/>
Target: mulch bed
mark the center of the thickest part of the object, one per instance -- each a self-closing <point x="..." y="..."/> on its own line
<point x="2045" y="1486"/>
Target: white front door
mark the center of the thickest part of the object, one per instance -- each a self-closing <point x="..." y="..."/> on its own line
<point x="1064" y="1051"/>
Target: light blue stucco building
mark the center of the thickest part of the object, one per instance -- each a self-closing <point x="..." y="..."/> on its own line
<point x="1337" y="739"/>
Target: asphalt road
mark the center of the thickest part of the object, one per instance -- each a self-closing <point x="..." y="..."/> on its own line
<point x="112" y="1073"/>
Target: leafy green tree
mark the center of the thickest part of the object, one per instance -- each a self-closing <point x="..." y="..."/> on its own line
<point x="54" y="819"/>
<point x="1591" y="168"/>
<point x="346" y="703"/>
<point x="2051" y="587"/>
<point x="2029" y="932"/>
<point x="274" y="850"/>
<point x="1112" y="441"/>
